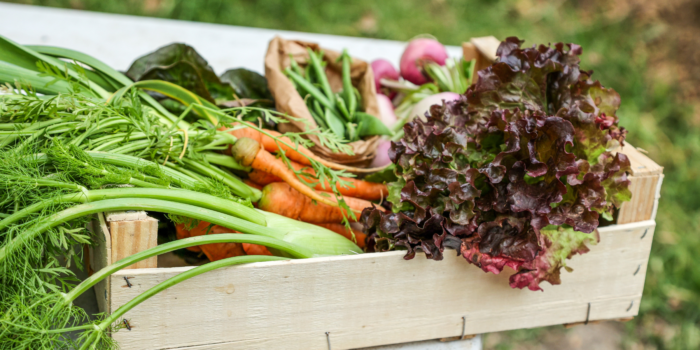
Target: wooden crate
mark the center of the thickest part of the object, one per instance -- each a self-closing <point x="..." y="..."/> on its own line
<point x="374" y="299"/>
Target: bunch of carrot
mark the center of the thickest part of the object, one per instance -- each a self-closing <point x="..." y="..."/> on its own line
<point x="284" y="192"/>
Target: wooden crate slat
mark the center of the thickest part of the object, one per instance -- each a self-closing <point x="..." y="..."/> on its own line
<point x="133" y="232"/>
<point x="641" y="164"/>
<point x="374" y="299"/>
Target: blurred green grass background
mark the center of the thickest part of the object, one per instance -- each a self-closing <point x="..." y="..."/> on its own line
<point x="649" y="51"/>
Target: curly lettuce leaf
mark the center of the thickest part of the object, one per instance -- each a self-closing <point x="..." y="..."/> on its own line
<point x="515" y="173"/>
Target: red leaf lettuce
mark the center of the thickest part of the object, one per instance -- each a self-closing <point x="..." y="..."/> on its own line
<point x="515" y="173"/>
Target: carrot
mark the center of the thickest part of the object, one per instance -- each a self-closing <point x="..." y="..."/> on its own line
<point x="255" y="249"/>
<point x="249" y="153"/>
<point x="181" y="232"/>
<point x="357" y="188"/>
<point x="252" y="183"/>
<point x="262" y="178"/>
<point x="342" y="230"/>
<point x="280" y="198"/>
<point x="217" y="251"/>
<point x="214" y="251"/>
<point x="301" y="155"/>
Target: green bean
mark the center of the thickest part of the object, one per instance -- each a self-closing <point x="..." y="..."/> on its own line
<point x="334" y="123"/>
<point x="316" y="65"/>
<point x="312" y="90"/>
<point x="295" y="66"/>
<point x="347" y="85"/>
<point x="343" y="109"/>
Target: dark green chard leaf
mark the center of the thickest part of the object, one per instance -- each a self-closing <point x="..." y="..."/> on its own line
<point x="515" y="173"/>
<point x="247" y="84"/>
<point x="182" y="65"/>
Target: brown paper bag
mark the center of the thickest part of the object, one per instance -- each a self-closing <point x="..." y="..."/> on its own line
<point x="288" y="100"/>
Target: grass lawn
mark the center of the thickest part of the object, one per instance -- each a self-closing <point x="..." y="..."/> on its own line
<point x="646" y="50"/>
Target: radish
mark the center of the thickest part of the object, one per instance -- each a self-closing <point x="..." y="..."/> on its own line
<point x="386" y="110"/>
<point x="416" y="54"/>
<point x="383" y="69"/>
<point x="423" y="106"/>
<point x="382" y="158"/>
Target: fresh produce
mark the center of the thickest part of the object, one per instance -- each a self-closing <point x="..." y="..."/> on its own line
<point x="421" y="108"/>
<point x="275" y="142"/>
<point x="66" y="154"/>
<point x="418" y="53"/>
<point x="383" y="69"/>
<point x="182" y="65"/>
<point x="386" y="108"/>
<point x="249" y="153"/>
<point x="355" y="188"/>
<point x="382" y="158"/>
<point x="283" y="199"/>
<point x="338" y="112"/>
<point x="349" y="233"/>
<point x="518" y="180"/>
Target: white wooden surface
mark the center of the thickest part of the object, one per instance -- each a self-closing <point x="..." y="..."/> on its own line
<point x="373" y="299"/>
<point x="118" y="40"/>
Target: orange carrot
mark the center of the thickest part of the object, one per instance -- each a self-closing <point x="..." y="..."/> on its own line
<point x="252" y="183"/>
<point x="181" y="232"/>
<point x="342" y="230"/>
<point x="255" y="249"/>
<point x="262" y="178"/>
<point x="357" y="188"/>
<point x="216" y="251"/>
<point x="280" y="198"/>
<point x="301" y="155"/>
<point x="249" y="153"/>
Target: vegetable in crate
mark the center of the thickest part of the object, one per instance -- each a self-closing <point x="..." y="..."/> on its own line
<point x="182" y="65"/>
<point x="281" y="54"/>
<point x="338" y="112"/>
<point x="436" y="77"/>
<point x="515" y="173"/>
<point x="93" y="127"/>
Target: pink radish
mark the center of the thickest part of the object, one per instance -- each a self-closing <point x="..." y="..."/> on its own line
<point x="383" y="69"/>
<point x="386" y="110"/>
<point x="416" y="54"/>
<point x="382" y="157"/>
<point x="423" y="106"/>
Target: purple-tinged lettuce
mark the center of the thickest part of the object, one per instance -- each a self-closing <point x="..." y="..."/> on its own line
<point x="515" y="173"/>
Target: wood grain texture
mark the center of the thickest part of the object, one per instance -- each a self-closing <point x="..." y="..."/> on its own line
<point x="641" y="164"/>
<point x="644" y="199"/>
<point x="646" y="179"/>
<point x="375" y="299"/>
<point x="101" y="257"/>
<point x="132" y="236"/>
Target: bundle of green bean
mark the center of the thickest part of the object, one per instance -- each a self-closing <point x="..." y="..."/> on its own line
<point x="339" y="112"/>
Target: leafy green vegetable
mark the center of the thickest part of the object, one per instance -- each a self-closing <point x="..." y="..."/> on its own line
<point x="247" y="84"/>
<point x="182" y="65"/>
<point x="338" y="112"/>
<point x="515" y="173"/>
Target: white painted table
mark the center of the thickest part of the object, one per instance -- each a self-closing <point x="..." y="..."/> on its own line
<point x="118" y="40"/>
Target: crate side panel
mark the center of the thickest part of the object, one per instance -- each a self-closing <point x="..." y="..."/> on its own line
<point x="376" y="299"/>
<point x="131" y="237"/>
<point x="641" y="164"/>
<point x="644" y="199"/>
